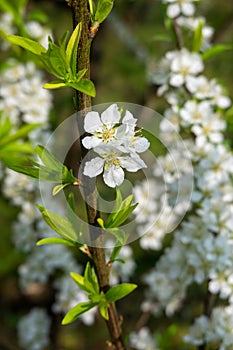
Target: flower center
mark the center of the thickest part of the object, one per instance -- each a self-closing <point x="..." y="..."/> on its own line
<point x="107" y="134"/>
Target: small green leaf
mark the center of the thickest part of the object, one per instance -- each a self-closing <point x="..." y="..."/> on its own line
<point x="72" y="46"/>
<point x="100" y="222"/>
<point x="216" y="50"/>
<point x="121" y="211"/>
<point x="55" y="84"/>
<point x="198" y="37"/>
<point x="27" y="44"/>
<point x="92" y="7"/>
<point x="104" y="7"/>
<point x="62" y="41"/>
<point x="48" y="158"/>
<point x="115" y="252"/>
<point x="18" y="165"/>
<point x="103" y="307"/>
<point x="59" y="224"/>
<point x="91" y="278"/>
<point x="54" y="60"/>
<point x="120" y="291"/>
<point x="86" y="86"/>
<point x="79" y="75"/>
<point x="58" y="188"/>
<point x="79" y="279"/>
<point x="77" y="311"/>
<point x="56" y="240"/>
<point x="71" y="201"/>
<point x="118" y="234"/>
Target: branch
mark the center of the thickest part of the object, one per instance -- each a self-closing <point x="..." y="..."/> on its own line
<point x="81" y="14"/>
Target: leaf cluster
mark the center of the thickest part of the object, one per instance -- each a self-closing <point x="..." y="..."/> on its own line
<point x="60" y="60"/>
<point x="49" y="169"/>
<point x="89" y="284"/>
<point x="100" y="10"/>
<point x="120" y="213"/>
<point x="12" y="146"/>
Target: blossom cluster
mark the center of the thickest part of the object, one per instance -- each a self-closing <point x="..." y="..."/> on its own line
<point x="23" y="101"/>
<point x="117" y="144"/>
<point x="201" y="248"/>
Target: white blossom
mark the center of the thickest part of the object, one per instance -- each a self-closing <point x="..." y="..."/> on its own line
<point x="178" y="7"/>
<point x="117" y="145"/>
<point x="37" y="324"/>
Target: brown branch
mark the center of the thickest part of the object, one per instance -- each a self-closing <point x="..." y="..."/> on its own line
<point x="81" y="14"/>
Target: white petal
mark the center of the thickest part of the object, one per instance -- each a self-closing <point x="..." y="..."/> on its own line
<point x="176" y="80"/>
<point x="121" y="131"/>
<point x="129" y="119"/>
<point x="173" y="10"/>
<point x="109" y="148"/>
<point x="132" y="163"/>
<point x="111" y="115"/>
<point x="91" y="141"/>
<point x="141" y="145"/>
<point x="113" y="176"/>
<point x="188" y="9"/>
<point x="92" y="122"/>
<point x="223" y="102"/>
<point x="94" y="167"/>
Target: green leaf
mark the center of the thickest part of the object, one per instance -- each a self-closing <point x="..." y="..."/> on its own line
<point x="100" y="222"/>
<point x="59" y="224"/>
<point x="198" y="37"/>
<point x="26" y="43"/>
<point x="15" y="150"/>
<point x="58" y="188"/>
<point x="216" y="50"/>
<point x="79" y="280"/>
<point x="92" y="7"/>
<point x="91" y="278"/>
<point x="19" y="134"/>
<point x="121" y="211"/>
<point x="5" y="128"/>
<point x="88" y="283"/>
<point x="115" y="252"/>
<point x="48" y="158"/>
<point x="55" y="84"/>
<point x="104" y="7"/>
<point x="72" y="46"/>
<point x="54" y="60"/>
<point x="79" y="75"/>
<point x="62" y="41"/>
<point x="77" y="311"/>
<point x="71" y="201"/>
<point x="86" y="86"/>
<point x="103" y="307"/>
<point x="120" y="291"/>
<point x="56" y="240"/>
<point x="118" y="234"/>
<point x="20" y="167"/>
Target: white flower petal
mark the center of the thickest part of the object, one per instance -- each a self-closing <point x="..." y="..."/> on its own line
<point x="91" y="141"/>
<point x="129" y="119"/>
<point x="188" y="9"/>
<point x="176" y="80"/>
<point x="173" y="10"/>
<point x="92" y="122"/>
<point x="111" y="116"/>
<point x="113" y="176"/>
<point x="132" y="163"/>
<point x="94" y="167"/>
<point x="141" y="145"/>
